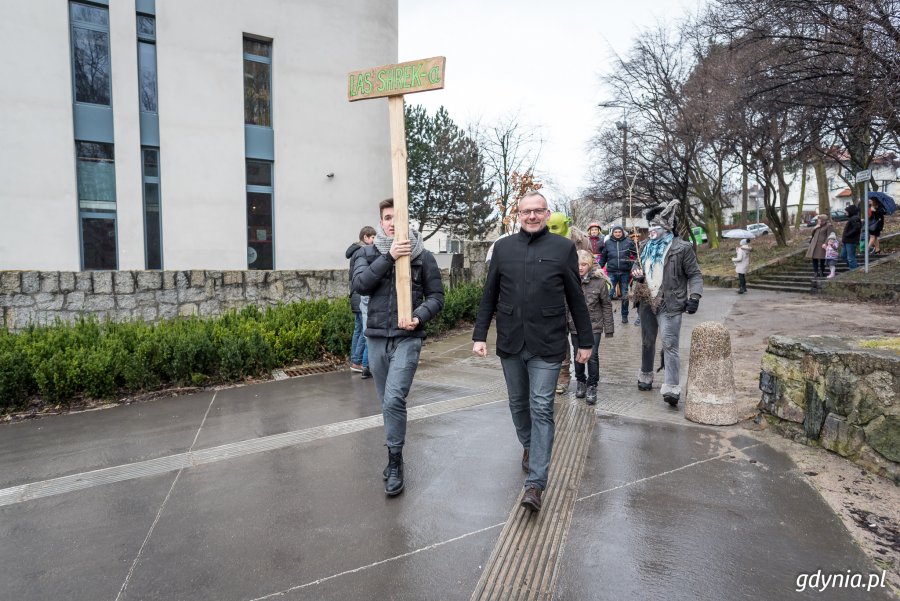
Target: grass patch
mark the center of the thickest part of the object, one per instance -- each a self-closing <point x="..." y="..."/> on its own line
<point x="891" y="344"/>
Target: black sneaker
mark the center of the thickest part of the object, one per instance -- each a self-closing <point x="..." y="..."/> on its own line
<point x="580" y="389"/>
<point x="366" y="374"/>
<point x="624" y="319"/>
<point x="394" y="484"/>
<point x="592" y="395"/>
<point x="644" y="387"/>
<point x="671" y="398"/>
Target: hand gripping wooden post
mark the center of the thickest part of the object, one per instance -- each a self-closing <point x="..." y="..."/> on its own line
<point x="393" y="81"/>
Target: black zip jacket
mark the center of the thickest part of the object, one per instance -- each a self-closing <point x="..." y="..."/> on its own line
<point x="531" y="279"/>
<point x="618" y="255"/>
<point x="351" y="254"/>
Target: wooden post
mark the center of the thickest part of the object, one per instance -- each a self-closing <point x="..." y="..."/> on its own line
<point x="393" y="81"/>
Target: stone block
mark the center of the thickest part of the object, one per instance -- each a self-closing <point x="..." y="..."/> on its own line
<point x="66" y="281"/>
<point x="31" y="282"/>
<point x="124" y="282"/>
<point x="75" y="301"/>
<point x="49" y="281"/>
<point x="710" y="395"/>
<point x="103" y="282"/>
<point x="841" y="437"/>
<point x="148" y="314"/>
<point x="231" y="278"/>
<point x="21" y="300"/>
<point x="192" y="295"/>
<point x="99" y="302"/>
<point x="149" y="280"/>
<point x="83" y="281"/>
<point x="182" y="280"/>
<point x="126" y="301"/>
<point x="254" y="277"/>
<point x="231" y="293"/>
<point x="197" y="278"/>
<point x="187" y="310"/>
<point x="22" y="317"/>
<point x="167" y="297"/>
<point x="145" y="299"/>
<point x="168" y="280"/>
<point x="48" y="301"/>
<point x="10" y="282"/>
<point x="883" y="435"/>
<point x="167" y="311"/>
<point x="210" y="307"/>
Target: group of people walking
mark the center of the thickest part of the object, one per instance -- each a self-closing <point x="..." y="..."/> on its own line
<point x="824" y="249"/>
<point x="545" y="293"/>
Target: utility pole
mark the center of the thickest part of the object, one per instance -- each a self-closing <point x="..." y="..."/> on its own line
<point x="623" y="127"/>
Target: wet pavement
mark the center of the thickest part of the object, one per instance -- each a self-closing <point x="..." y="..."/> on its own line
<point x="274" y="491"/>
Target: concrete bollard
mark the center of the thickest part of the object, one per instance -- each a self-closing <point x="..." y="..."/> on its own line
<point x="710" y="384"/>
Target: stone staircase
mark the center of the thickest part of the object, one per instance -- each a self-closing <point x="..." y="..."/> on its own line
<point x="794" y="273"/>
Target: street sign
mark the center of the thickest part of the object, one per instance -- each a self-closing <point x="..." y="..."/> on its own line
<point x="393" y="81"/>
<point x="863" y="176"/>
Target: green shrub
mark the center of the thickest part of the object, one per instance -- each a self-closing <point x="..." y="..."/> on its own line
<point x="94" y="359"/>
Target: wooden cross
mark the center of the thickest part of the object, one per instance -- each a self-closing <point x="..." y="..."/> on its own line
<point x="393" y="81"/>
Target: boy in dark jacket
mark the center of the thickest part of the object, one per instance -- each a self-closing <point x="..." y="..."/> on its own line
<point x="394" y="344"/>
<point x="359" y="355"/>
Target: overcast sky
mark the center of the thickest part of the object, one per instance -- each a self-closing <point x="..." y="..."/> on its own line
<point x="540" y="60"/>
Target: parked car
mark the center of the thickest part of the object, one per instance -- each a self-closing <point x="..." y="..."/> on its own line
<point x="699" y="235"/>
<point x="812" y="222"/>
<point x="759" y="229"/>
<point x="839" y="215"/>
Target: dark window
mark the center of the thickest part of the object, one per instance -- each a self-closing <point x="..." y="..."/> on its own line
<point x="257" y="82"/>
<point x="260" y="253"/>
<point x="259" y="173"/>
<point x="146" y="27"/>
<point x="98" y="239"/>
<point x="96" y="174"/>
<point x="152" y="219"/>
<point x="90" y="53"/>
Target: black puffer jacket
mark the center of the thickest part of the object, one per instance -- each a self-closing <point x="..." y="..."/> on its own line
<point x="373" y="275"/>
<point x="853" y="229"/>
<point x="351" y="254"/>
<point x="618" y="255"/>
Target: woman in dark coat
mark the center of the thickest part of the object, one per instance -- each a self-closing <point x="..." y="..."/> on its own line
<point x="816" y="251"/>
<point x="876" y="224"/>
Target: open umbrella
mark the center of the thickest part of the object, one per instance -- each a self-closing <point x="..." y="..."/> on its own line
<point x="886" y="201"/>
<point x="738" y="233"/>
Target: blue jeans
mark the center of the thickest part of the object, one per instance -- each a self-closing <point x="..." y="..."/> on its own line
<point x="358" y="342"/>
<point x="531" y="385"/>
<point x="622" y="279"/>
<point x="848" y="252"/>
<point x="593" y="364"/>
<point x="394" y="362"/>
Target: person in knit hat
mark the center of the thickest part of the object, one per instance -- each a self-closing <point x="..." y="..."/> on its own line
<point x="668" y="282"/>
<point x="618" y="256"/>
<point x="832" y="252"/>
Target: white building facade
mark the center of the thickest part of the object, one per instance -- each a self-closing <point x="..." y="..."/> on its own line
<point x="201" y="134"/>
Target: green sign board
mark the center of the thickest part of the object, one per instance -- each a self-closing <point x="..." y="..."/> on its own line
<point x="393" y="80"/>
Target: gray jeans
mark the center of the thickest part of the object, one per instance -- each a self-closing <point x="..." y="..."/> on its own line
<point x="393" y="362"/>
<point x="668" y="325"/>
<point x="531" y="385"/>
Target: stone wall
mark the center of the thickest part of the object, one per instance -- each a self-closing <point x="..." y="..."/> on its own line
<point x="41" y="297"/>
<point x="834" y="393"/>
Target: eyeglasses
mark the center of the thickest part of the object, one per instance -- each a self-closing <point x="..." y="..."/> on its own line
<point x="530" y="212"/>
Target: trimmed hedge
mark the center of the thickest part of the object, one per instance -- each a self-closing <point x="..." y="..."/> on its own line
<point x="97" y="360"/>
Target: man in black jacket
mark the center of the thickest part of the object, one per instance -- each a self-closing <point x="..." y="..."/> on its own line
<point x="394" y="345"/>
<point x="850" y="238"/>
<point x="359" y="355"/>
<point x="532" y="277"/>
<point x="618" y="257"/>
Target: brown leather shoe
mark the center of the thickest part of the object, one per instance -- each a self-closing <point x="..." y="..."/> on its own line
<point x="531" y="499"/>
<point x="525" y="461"/>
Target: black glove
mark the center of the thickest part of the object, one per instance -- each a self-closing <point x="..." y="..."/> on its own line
<point x="693" y="304"/>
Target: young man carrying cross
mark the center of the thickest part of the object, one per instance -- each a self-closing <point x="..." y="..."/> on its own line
<point x="395" y="344"/>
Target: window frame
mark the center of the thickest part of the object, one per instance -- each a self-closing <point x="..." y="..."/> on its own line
<point x="266" y="60"/>
<point x="151" y="179"/>
<point x="86" y="25"/>
<point x="258" y="189"/>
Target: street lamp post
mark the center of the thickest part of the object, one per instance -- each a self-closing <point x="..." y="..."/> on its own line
<point x="622" y="126"/>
